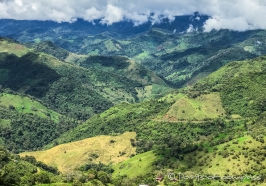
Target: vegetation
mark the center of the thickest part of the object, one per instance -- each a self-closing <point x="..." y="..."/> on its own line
<point x="70" y="156"/>
<point x="65" y="88"/>
<point x="27" y="171"/>
<point x="23" y="171"/>
<point x="92" y="115"/>
<point x="240" y="85"/>
<point x="20" y="132"/>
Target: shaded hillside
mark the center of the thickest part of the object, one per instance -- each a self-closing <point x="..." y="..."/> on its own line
<point x="180" y="52"/>
<point x="122" y="66"/>
<point x="200" y="129"/>
<point x="66" y="88"/>
<point x="118" y="65"/>
<point x="49" y="48"/>
<point x="26" y="124"/>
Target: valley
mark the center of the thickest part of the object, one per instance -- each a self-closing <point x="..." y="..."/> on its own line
<point x="122" y="105"/>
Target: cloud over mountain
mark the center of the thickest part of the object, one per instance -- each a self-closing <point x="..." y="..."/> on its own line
<point x="229" y="14"/>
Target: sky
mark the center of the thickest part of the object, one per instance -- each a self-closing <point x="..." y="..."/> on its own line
<point x="239" y="15"/>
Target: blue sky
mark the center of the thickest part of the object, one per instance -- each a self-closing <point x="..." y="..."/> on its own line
<point x="237" y="15"/>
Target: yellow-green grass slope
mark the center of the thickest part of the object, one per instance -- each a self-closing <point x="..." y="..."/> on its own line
<point x="13" y="48"/>
<point x="104" y="149"/>
<point x="138" y="165"/>
<point x="206" y="106"/>
<point x="242" y="156"/>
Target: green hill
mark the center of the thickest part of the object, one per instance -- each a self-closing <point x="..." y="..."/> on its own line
<point x="68" y="89"/>
<point x="26" y="124"/>
<point x="23" y="171"/>
<point x="179" y="58"/>
<point x="196" y="130"/>
<point x="241" y="85"/>
<point x="135" y="166"/>
<point x="26" y="105"/>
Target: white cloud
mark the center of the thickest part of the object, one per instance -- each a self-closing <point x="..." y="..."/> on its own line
<point x="92" y="14"/>
<point x="226" y="14"/>
<point x="137" y="18"/>
<point x="191" y="29"/>
<point x="113" y="14"/>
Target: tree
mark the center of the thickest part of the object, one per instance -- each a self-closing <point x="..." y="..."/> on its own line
<point x="42" y="177"/>
<point x="103" y="177"/>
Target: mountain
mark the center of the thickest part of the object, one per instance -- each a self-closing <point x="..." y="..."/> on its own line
<point x="72" y="90"/>
<point x="95" y="102"/>
<point x="118" y="65"/>
<point x="180" y="52"/>
<point x="179" y="58"/>
<point x="199" y="129"/>
<point x="28" y="31"/>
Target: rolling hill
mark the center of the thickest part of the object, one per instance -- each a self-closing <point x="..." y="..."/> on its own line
<point x="27" y="124"/>
<point x="104" y="149"/>
<point x="69" y="89"/>
<point x="193" y="130"/>
<point x="98" y="104"/>
<point x="179" y="52"/>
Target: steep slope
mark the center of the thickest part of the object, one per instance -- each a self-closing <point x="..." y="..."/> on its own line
<point x="222" y="134"/>
<point x="66" y="88"/>
<point x="23" y="171"/>
<point x="241" y="84"/>
<point x="118" y="65"/>
<point x="26" y="124"/>
<point x="104" y="149"/>
<point x="49" y="48"/>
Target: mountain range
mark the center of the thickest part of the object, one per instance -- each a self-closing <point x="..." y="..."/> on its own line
<point x="88" y="104"/>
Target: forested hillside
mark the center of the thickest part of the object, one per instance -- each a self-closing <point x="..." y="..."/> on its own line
<point x="68" y="89"/>
<point x="128" y="105"/>
<point x="210" y="140"/>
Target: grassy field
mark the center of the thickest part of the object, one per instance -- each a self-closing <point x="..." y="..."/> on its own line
<point x="27" y="105"/>
<point x="140" y="164"/>
<point x="104" y="149"/>
<point x="13" y="48"/>
<point x="228" y="158"/>
<point x="207" y="106"/>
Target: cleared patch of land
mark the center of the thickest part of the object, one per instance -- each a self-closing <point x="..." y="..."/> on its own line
<point x="13" y="48"/>
<point x="27" y="105"/>
<point x="139" y="165"/>
<point x="208" y="106"/>
<point x="104" y="149"/>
